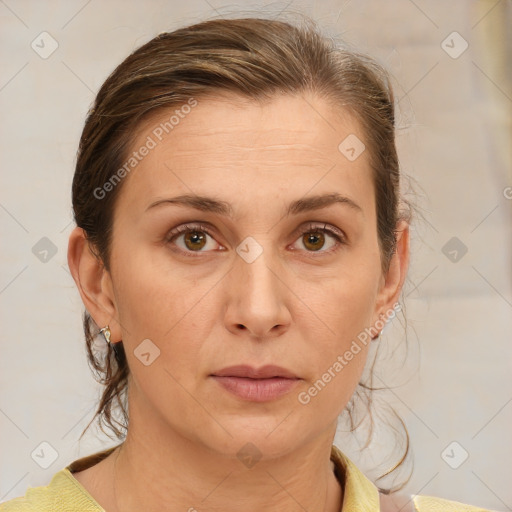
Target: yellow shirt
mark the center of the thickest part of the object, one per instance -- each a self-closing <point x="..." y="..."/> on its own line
<point x="65" y="494"/>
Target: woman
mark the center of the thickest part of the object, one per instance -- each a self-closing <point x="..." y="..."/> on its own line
<point x="240" y="241"/>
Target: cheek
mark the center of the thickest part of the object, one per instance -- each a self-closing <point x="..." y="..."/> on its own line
<point x="158" y="302"/>
<point x="167" y="310"/>
<point x="327" y="395"/>
<point x="346" y="303"/>
<point x="338" y="357"/>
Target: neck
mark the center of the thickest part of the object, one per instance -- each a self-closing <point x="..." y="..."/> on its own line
<point x="153" y="474"/>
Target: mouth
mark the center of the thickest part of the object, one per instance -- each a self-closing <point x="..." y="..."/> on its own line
<point x="256" y="384"/>
<point x="265" y="372"/>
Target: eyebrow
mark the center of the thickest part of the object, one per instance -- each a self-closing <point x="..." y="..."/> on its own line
<point x="209" y="204"/>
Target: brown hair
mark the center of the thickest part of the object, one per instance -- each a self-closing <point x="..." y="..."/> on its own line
<point x="255" y="58"/>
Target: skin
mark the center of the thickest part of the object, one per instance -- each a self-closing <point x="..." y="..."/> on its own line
<point x="292" y="306"/>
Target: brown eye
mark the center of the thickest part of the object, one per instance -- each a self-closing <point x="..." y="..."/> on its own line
<point x="322" y="239"/>
<point x="313" y="241"/>
<point x="194" y="240"/>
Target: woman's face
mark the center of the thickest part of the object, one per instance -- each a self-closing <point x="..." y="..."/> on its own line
<point x="250" y="282"/>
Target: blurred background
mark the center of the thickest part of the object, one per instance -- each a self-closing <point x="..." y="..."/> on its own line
<point x="448" y="369"/>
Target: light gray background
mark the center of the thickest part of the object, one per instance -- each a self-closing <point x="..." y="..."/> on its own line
<point x="454" y="140"/>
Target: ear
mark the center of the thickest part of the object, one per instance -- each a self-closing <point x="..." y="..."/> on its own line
<point x="93" y="282"/>
<point x="391" y="283"/>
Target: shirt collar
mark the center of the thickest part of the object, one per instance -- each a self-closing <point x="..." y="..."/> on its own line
<point x="359" y="493"/>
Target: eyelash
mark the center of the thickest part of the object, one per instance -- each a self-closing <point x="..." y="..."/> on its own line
<point x="310" y="228"/>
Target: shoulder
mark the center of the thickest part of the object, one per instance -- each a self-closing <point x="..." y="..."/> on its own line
<point x="432" y="504"/>
<point x="358" y="489"/>
<point x="417" y="503"/>
<point x="62" y="494"/>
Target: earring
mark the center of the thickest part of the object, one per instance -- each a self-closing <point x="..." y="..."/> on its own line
<point x="114" y="346"/>
<point x="106" y="333"/>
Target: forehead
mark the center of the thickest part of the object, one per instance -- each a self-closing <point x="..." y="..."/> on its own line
<point x="247" y="124"/>
<point x="249" y="150"/>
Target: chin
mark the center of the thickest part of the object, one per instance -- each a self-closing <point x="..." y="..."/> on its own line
<point x="261" y="438"/>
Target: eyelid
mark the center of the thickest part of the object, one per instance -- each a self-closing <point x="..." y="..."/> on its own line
<point x="323" y="226"/>
<point x="189" y="226"/>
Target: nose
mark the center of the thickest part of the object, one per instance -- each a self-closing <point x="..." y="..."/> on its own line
<point x="258" y="299"/>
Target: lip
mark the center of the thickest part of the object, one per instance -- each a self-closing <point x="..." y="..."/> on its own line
<point x="265" y="372"/>
<point x="256" y="384"/>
